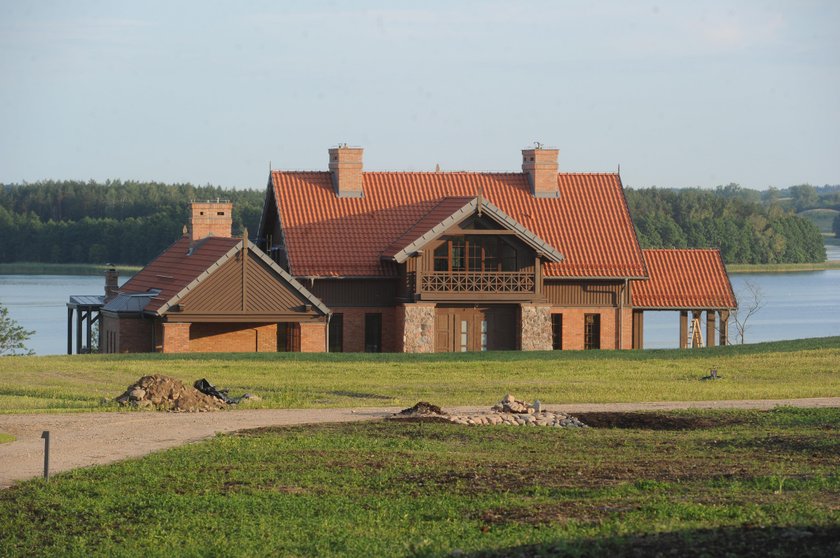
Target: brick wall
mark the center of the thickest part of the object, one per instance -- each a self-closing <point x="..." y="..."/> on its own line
<point x="176" y="337"/>
<point x="573" y="327"/>
<point x="313" y="337"/>
<point x="233" y="338"/>
<point x="354" y="328"/>
<point x="126" y="335"/>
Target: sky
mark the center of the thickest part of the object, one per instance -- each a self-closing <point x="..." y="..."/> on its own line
<point x="677" y="94"/>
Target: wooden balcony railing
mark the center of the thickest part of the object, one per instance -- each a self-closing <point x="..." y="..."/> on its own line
<point x="471" y="282"/>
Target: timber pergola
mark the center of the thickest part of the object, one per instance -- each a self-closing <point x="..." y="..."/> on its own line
<point x="87" y="310"/>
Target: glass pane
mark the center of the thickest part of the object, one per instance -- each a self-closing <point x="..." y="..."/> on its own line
<point x="483" y="335"/>
<point x="464" y="336"/>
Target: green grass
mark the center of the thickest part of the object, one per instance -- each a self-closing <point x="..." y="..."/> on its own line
<point x="724" y="483"/>
<point x="38" y="268"/>
<point x="788" y="369"/>
<point x="778" y="268"/>
<point x="6" y="438"/>
<point x="822" y="218"/>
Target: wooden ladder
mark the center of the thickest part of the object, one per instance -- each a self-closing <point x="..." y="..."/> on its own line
<point x="695" y="336"/>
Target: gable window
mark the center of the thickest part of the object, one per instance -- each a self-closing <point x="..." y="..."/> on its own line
<point x="475" y="254"/>
<point x="592" y="331"/>
<point x="336" y="333"/>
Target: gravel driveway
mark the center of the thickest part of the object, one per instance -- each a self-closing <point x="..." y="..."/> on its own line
<point x="83" y="439"/>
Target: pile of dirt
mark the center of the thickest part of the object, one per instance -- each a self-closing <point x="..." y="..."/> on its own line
<point x="422" y="408"/>
<point x="168" y="394"/>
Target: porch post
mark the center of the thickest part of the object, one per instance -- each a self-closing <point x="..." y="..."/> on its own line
<point x="69" y="330"/>
<point x="695" y="315"/>
<point x="89" y="331"/>
<point x="78" y="331"/>
<point x="724" y="328"/>
<point x="683" y="329"/>
<point x="710" y="328"/>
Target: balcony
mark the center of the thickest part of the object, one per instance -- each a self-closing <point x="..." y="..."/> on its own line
<point x="503" y="283"/>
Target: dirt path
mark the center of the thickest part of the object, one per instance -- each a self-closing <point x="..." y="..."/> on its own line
<point x="83" y="439"/>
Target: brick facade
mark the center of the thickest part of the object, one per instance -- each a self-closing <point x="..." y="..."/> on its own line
<point x="573" y="327"/>
<point x="313" y="337"/>
<point x="127" y="335"/>
<point x="233" y="338"/>
<point x="176" y="337"/>
<point x="354" y="328"/>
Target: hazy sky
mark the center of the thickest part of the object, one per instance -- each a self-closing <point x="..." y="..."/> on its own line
<point x="678" y="93"/>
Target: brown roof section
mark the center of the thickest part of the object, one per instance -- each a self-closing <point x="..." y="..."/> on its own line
<point x="177" y="267"/>
<point x="684" y="279"/>
<point x="330" y="236"/>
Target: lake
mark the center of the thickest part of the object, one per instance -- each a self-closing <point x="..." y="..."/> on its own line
<point x="797" y="305"/>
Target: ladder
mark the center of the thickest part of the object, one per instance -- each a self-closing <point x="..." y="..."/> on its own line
<point x="695" y="336"/>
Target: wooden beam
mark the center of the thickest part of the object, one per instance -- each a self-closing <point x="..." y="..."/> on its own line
<point x="78" y="332"/>
<point x="724" y="328"/>
<point x="683" y="329"/>
<point x="710" y="328"/>
<point x="69" y="331"/>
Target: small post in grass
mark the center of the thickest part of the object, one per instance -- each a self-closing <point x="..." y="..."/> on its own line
<point x="46" y="436"/>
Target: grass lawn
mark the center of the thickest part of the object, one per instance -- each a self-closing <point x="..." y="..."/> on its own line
<point x="788" y="369"/>
<point x="39" y="268"/>
<point x="684" y="484"/>
<point x="4" y="438"/>
<point x="781" y="268"/>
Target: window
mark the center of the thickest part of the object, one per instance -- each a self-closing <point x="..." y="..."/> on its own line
<point x="373" y="333"/>
<point x="336" y="333"/>
<point x="465" y="338"/>
<point x="592" y="331"/>
<point x="288" y="337"/>
<point x="484" y="334"/>
<point x="557" y="332"/>
<point x="475" y="254"/>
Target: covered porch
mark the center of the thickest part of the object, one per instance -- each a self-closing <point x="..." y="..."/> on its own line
<point x="87" y="311"/>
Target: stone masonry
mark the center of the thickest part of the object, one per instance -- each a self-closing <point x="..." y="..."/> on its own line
<point x="419" y="328"/>
<point x="536" y="327"/>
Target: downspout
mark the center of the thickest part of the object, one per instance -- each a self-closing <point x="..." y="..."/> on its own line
<point x="327" y="336"/>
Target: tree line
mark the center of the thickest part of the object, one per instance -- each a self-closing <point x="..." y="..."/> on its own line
<point x="130" y="222"/>
<point x="115" y="222"/>
<point x="744" y="227"/>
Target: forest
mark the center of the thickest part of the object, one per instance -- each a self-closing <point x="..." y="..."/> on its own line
<point x="748" y="226"/>
<point x="130" y="222"/>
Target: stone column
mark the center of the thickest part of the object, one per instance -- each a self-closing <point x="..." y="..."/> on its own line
<point x="418" y="328"/>
<point x="535" y="333"/>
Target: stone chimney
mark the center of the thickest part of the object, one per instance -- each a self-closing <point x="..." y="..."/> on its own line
<point x="211" y="218"/>
<point x="346" y="169"/>
<point x="541" y="167"/>
<point x="112" y="283"/>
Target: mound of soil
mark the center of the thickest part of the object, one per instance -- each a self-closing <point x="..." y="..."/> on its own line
<point x="168" y="394"/>
<point x="422" y="408"/>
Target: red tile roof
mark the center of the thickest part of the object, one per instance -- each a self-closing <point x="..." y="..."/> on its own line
<point x="330" y="236"/>
<point x="177" y="267"/>
<point x="684" y="279"/>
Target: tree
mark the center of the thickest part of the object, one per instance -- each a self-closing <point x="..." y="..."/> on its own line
<point x="12" y="335"/>
<point x="751" y="301"/>
<point x="835" y="226"/>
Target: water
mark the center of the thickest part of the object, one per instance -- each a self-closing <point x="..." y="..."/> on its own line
<point x="798" y="305"/>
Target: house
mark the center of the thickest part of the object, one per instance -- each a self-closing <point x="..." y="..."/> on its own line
<point x="349" y="260"/>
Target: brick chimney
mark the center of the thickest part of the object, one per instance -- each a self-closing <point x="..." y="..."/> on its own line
<point x="541" y="167"/>
<point x="346" y="169"/>
<point x="112" y="283"/>
<point x="211" y="219"/>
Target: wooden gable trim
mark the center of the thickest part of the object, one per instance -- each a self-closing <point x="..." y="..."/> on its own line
<point x="482" y="206"/>
<point x="246" y="247"/>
